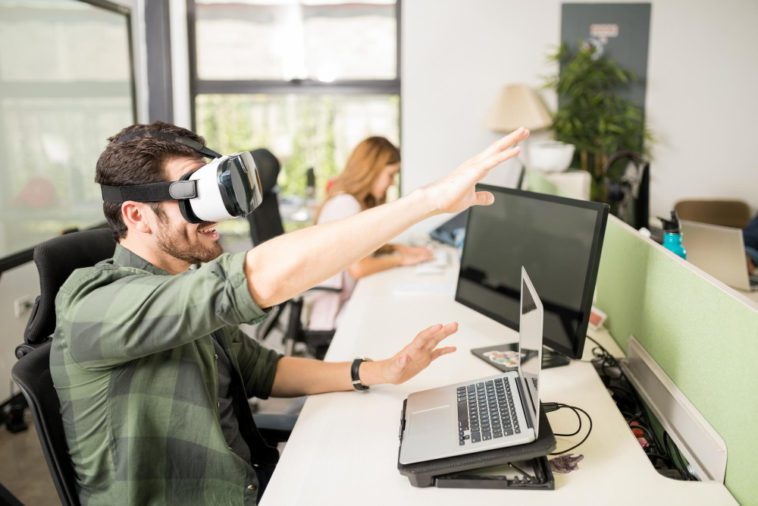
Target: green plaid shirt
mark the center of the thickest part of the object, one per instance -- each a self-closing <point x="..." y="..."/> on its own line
<point x="133" y="364"/>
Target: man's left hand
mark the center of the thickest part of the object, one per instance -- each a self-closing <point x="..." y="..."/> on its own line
<point x="412" y="359"/>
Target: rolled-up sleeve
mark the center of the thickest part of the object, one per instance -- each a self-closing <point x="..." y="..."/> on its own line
<point x="257" y="364"/>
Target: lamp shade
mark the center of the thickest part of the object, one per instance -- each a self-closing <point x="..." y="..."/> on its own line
<point x="518" y="105"/>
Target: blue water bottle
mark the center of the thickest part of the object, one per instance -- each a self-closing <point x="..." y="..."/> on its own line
<point x="672" y="237"/>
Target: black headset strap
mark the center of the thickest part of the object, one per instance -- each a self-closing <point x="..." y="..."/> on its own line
<point x="152" y="192"/>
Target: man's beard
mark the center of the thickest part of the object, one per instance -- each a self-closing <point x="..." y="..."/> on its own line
<point x="178" y="245"/>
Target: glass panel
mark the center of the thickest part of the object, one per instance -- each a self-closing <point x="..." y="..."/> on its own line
<point x="61" y="97"/>
<point x="283" y="40"/>
<point x="303" y="131"/>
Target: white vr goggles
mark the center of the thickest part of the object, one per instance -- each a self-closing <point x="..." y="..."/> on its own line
<point x="227" y="187"/>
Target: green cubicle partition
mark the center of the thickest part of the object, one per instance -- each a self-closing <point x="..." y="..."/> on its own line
<point x="703" y="335"/>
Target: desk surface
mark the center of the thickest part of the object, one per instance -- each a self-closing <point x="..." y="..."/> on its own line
<point x="344" y="447"/>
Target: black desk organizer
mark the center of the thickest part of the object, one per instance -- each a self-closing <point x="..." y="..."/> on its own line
<point x="461" y="471"/>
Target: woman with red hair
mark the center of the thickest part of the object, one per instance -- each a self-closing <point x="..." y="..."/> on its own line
<point x="369" y="172"/>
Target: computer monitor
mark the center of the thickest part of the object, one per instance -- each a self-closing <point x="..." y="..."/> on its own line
<point x="557" y="240"/>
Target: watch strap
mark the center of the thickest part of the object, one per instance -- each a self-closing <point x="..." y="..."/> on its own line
<point x="355" y="377"/>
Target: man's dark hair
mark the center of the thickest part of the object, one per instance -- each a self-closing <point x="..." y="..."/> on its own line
<point x="133" y="156"/>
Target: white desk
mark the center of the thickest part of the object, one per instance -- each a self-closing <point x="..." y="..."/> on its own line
<point x="344" y="447"/>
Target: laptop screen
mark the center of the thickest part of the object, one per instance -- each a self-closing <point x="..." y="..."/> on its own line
<point x="530" y="345"/>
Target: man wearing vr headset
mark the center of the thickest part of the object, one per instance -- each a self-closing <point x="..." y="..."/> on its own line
<point x="150" y="367"/>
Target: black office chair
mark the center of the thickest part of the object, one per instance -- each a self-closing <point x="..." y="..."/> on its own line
<point x="56" y="259"/>
<point x="32" y="374"/>
<point x="266" y="223"/>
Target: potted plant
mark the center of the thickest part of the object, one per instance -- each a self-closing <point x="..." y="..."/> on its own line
<point x="591" y="114"/>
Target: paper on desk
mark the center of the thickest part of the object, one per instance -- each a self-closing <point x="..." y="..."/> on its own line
<point x="421" y="289"/>
<point x="429" y="268"/>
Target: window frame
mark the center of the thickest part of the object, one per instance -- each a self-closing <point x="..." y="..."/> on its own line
<point x="25" y="255"/>
<point x="293" y="86"/>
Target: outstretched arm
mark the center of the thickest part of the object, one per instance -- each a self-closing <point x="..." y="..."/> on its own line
<point x="302" y="376"/>
<point x="283" y="267"/>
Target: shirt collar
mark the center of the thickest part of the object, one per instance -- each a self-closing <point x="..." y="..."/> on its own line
<point x="124" y="257"/>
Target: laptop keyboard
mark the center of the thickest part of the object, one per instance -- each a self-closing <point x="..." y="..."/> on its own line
<point x="486" y="411"/>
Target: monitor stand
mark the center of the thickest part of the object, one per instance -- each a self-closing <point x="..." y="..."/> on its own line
<point x="505" y="356"/>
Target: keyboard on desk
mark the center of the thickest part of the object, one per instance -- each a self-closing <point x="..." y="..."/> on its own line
<point x="486" y="411"/>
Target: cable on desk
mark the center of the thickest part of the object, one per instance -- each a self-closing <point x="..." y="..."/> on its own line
<point x="578" y="428"/>
<point x="664" y="455"/>
<point x="677" y="458"/>
<point x="555" y="406"/>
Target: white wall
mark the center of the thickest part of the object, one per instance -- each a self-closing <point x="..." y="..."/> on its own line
<point x="701" y="96"/>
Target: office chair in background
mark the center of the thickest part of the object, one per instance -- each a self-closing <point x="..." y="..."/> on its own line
<point x="629" y="192"/>
<point x="722" y="212"/>
<point x="56" y="259"/>
<point x="266" y="223"/>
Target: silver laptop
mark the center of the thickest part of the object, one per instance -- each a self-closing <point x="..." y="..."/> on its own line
<point x="483" y="414"/>
<point x="719" y="251"/>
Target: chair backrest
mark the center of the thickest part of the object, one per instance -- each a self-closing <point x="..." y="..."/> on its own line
<point x="265" y="221"/>
<point x="32" y="374"/>
<point x="56" y="259"/>
<point x="726" y="213"/>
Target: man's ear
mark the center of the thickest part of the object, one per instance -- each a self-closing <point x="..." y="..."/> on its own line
<point x="137" y="216"/>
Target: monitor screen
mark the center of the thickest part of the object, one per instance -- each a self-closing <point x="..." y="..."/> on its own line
<point x="557" y="240"/>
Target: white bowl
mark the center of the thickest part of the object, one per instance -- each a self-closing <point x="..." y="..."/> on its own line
<point x="550" y="156"/>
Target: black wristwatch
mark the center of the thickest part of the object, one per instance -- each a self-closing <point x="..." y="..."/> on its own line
<point x="354" y="374"/>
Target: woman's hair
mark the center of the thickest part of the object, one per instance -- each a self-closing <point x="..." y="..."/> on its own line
<point x="363" y="166"/>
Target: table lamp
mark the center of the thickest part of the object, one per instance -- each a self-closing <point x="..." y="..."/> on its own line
<point x="519" y="105"/>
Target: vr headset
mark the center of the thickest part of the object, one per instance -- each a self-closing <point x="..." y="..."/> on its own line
<point x="227" y="187"/>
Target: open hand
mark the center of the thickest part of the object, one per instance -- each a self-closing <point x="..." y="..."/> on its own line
<point x="456" y="192"/>
<point x="417" y="355"/>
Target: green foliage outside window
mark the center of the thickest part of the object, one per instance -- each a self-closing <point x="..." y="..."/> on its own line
<point x="298" y="130"/>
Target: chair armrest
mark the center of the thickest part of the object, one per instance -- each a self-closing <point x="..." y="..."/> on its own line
<point x="324" y="289"/>
<point x="24" y="349"/>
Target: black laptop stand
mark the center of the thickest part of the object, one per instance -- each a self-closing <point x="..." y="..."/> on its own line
<point x="516" y="467"/>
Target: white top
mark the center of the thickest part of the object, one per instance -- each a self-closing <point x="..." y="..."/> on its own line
<point x="324" y="307"/>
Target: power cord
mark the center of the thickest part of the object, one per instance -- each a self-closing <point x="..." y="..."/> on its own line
<point x="555" y="406"/>
<point x="676" y="457"/>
